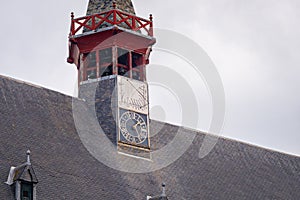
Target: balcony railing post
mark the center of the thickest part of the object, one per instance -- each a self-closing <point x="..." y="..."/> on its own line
<point x="151" y="25"/>
<point x="72" y="24"/>
<point x="115" y="12"/>
<point x="133" y="23"/>
<point x="93" y="22"/>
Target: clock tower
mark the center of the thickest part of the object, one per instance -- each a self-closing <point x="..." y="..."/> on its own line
<point x="110" y="47"/>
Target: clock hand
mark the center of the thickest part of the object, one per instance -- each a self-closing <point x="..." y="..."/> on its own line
<point x="135" y="127"/>
<point x="138" y="134"/>
<point x="138" y="123"/>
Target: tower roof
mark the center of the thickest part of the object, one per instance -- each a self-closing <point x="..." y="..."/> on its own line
<point x="97" y="6"/>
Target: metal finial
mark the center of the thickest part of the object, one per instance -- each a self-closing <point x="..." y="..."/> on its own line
<point x="114" y="5"/>
<point x="163" y="190"/>
<point x="72" y="15"/>
<point x="151" y="17"/>
<point x="28" y="156"/>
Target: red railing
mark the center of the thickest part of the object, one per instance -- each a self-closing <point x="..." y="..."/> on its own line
<point x="110" y="18"/>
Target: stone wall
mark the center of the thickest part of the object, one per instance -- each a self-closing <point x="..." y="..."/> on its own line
<point x="100" y="97"/>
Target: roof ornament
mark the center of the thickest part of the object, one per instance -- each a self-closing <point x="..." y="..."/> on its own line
<point x="151" y="17"/>
<point x="28" y="157"/>
<point x="163" y="194"/>
<point x="114" y="5"/>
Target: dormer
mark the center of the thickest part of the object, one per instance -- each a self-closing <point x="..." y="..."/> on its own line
<point x="23" y="179"/>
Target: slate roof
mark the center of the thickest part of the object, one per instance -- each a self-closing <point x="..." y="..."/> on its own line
<point x="100" y="6"/>
<point x="96" y="6"/>
<point x="41" y="120"/>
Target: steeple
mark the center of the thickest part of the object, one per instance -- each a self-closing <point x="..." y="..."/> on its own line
<point x="98" y="6"/>
<point x="111" y="54"/>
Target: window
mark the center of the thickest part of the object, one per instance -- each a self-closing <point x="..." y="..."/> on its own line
<point x="106" y="71"/>
<point x="26" y="191"/>
<point x="123" y="57"/>
<point x="136" y="75"/>
<point x="90" y="65"/>
<point x="105" y="57"/>
<point x="100" y="63"/>
<point x="91" y="74"/>
<point x="137" y="66"/>
<point x="123" y="62"/>
<point x="91" y="60"/>
<point x="137" y="59"/>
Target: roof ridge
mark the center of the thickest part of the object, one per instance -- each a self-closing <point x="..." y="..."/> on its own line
<point x="7" y="77"/>
<point x="228" y="139"/>
<point x="257" y="146"/>
<point x="19" y="80"/>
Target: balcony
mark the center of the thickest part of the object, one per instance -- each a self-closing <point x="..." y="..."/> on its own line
<point x="113" y="17"/>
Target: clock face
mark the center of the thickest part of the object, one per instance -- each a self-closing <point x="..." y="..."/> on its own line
<point x="132" y="95"/>
<point x="133" y="128"/>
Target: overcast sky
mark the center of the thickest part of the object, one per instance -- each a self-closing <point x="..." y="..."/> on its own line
<point x="254" y="44"/>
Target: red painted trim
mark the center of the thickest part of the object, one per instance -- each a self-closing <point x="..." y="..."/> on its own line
<point x="89" y="22"/>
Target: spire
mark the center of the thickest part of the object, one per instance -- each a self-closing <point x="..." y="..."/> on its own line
<point x="97" y="6"/>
